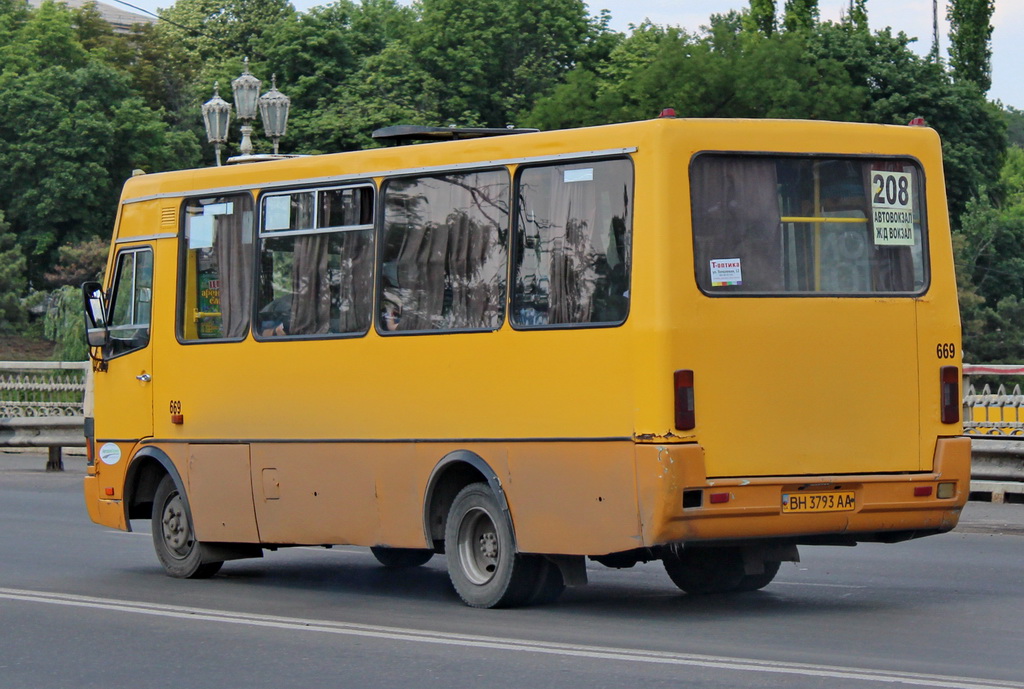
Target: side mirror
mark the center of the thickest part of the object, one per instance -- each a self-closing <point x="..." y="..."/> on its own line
<point x="96" y="332"/>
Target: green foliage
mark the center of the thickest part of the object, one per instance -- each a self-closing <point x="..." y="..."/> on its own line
<point x="970" y="41"/>
<point x="210" y="30"/>
<point x="492" y="58"/>
<point x="800" y="15"/>
<point x="761" y="17"/>
<point x="64" y="324"/>
<point x="78" y="263"/>
<point x="1014" y="125"/>
<point x="990" y="270"/>
<point x="68" y="139"/>
<point x="12" y="280"/>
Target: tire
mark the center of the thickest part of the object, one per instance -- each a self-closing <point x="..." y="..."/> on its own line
<point x="755" y="582"/>
<point x="706" y="570"/>
<point x="483" y="565"/>
<point x="401" y="558"/>
<point x="173" y="536"/>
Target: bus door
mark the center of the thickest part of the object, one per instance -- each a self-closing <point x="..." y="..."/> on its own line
<point x="124" y="393"/>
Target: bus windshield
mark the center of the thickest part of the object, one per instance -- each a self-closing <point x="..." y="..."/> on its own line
<point x="821" y="226"/>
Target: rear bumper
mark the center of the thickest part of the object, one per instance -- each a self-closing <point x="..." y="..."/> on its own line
<point x="886" y="508"/>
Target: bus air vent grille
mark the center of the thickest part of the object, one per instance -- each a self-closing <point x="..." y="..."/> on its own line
<point x="168" y="217"/>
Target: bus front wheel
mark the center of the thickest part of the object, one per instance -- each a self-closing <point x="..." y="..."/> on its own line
<point x="483" y="564"/>
<point x="174" y="538"/>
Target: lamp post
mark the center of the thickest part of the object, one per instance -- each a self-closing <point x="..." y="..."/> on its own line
<point x="247" y="91"/>
<point x="273" y="107"/>
<point x="216" y="117"/>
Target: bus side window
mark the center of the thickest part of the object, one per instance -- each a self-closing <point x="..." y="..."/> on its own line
<point x="316" y="262"/>
<point x="443" y="258"/>
<point x="216" y="268"/>
<point x="573" y="244"/>
<point x="131" y="302"/>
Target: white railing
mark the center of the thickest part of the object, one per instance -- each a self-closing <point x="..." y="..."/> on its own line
<point x="991" y="412"/>
<point x="42" y="405"/>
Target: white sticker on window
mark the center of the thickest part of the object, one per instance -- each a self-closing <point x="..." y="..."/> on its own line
<point x="585" y="174"/>
<point x="892" y="208"/>
<point x="277" y="212"/>
<point x="726" y="272"/>
<point x="219" y="209"/>
<point x="200" y="232"/>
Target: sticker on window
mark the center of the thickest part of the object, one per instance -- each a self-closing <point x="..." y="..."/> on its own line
<point x="726" y="272"/>
<point x="200" y="232"/>
<point x="277" y="212"/>
<point x="892" y="208"/>
<point x="219" y="209"/>
<point x="579" y="175"/>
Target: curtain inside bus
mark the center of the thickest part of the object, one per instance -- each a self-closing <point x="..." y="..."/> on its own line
<point x="444" y="255"/>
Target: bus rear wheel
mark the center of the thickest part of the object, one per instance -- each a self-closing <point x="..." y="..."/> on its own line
<point x="400" y="558"/>
<point x="706" y="570"/>
<point x="483" y="564"/>
<point x="174" y="538"/>
<point x="756" y="582"/>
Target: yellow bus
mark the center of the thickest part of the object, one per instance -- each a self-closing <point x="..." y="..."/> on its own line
<point x="706" y="342"/>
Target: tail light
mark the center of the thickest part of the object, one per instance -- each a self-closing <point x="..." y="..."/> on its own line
<point x="685" y="415"/>
<point x="90" y="441"/>
<point x="950" y="386"/>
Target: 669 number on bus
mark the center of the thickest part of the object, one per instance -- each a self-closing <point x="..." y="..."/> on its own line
<point x="945" y="350"/>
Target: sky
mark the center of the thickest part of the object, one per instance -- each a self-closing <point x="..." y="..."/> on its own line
<point x="913" y="17"/>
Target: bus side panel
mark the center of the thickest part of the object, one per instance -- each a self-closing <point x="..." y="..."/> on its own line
<point x="575" y="498"/>
<point x="220" y="493"/>
<point x="313" y="493"/>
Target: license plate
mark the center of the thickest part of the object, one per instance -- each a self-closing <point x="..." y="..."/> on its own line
<point x="836" y="501"/>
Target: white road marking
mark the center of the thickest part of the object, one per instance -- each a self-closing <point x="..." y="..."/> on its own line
<point x="515" y="645"/>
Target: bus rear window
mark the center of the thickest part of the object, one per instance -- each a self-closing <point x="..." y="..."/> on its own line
<point x="810" y="226"/>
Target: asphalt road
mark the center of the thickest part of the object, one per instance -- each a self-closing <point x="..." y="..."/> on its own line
<point x="83" y="606"/>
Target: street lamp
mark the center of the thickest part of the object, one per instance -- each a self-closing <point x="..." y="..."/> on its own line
<point x="247" y="92"/>
<point x="273" y="107"/>
<point x="216" y="117"/>
<point x="274" y="111"/>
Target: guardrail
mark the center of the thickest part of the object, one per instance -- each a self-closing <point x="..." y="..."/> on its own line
<point x="42" y="405"/>
<point x="995" y="422"/>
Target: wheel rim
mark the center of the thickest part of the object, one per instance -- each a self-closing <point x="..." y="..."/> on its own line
<point x="174" y="527"/>
<point x="479" y="546"/>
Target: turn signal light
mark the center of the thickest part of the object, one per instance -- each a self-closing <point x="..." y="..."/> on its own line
<point x="949" y="377"/>
<point x="946" y="491"/>
<point x="686" y="418"/>
<point x="108" y="491"/>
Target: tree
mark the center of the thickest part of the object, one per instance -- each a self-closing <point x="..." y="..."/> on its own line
<point x="725" y="73"/>
<point x="12" y="280"/>
<point x="494" y="58"/>
<point x="761" y="17"/>
<point x="207" y="30"/>
<point x="78" y="263"/>
<point x="970" y="41"/>
<point x="800" y="15"/>
<point x="68" y="140"/>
